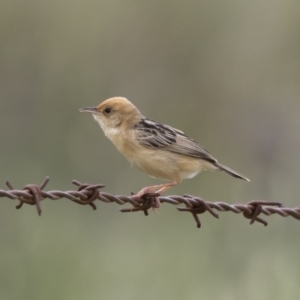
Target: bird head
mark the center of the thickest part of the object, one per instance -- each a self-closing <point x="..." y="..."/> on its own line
<point x="113" y="113"/>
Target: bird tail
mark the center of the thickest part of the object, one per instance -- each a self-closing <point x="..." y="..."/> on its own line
<point x="231" y="172"/>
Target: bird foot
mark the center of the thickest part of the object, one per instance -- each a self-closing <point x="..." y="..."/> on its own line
<point x="151" y="199"/>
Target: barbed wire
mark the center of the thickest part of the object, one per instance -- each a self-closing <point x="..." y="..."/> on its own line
<point x="87" y="194"/>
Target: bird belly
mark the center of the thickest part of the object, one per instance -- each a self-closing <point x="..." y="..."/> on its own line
<point x="169" y="166"/>
<point x="188" y="175"/>
<point x="156" y="165"/>
<point x="159" y="163"/>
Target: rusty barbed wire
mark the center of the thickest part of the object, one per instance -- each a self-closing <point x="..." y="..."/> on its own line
<point x="87" y="194"/>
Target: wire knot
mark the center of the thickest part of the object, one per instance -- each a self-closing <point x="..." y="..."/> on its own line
<point x="91" y="193"/>
<point x="197" y="206"/>
<point x="256" y="208"/>
<point x="33" y="194"/>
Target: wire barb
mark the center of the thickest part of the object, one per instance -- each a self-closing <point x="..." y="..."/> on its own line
<point x="88" y="194"/>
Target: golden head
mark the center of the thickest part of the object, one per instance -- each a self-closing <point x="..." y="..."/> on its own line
<point x="113" y="112"/>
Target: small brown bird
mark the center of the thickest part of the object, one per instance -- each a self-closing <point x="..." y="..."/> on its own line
<point x="157" y="149"/>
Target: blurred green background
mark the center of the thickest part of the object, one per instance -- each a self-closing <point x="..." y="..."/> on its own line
<point x="225" y="72"/>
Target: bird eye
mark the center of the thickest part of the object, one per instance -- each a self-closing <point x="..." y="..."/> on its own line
<point x="107" y="110"/>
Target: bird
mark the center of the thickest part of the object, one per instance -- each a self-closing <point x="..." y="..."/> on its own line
<point x="157" y="149"/>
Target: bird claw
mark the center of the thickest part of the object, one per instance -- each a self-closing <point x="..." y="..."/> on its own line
<point x="147" y="201"/>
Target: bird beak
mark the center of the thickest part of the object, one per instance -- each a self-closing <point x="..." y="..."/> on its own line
<point x="92" y="110"/>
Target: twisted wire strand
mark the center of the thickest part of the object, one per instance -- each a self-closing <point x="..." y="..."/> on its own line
<point x="87" y="194"/>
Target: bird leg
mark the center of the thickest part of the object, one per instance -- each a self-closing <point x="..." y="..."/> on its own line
<point x="160" y="188"/>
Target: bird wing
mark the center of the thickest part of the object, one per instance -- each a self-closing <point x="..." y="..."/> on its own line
<point x="156" y="135"/>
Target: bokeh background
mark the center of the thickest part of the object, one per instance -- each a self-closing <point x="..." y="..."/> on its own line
<point x="225" y="72"/>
